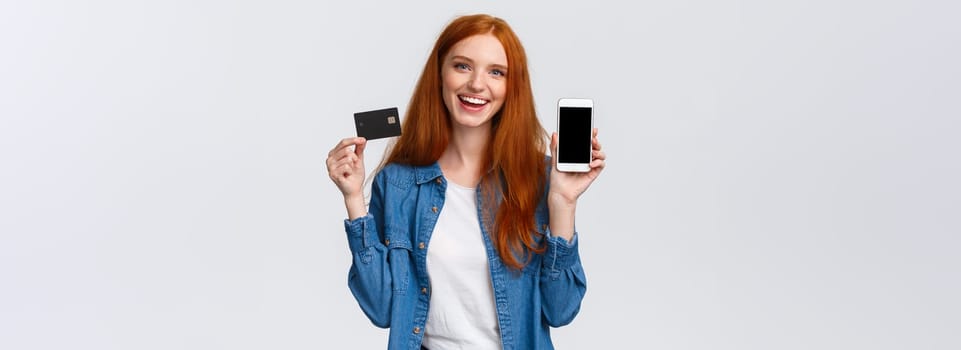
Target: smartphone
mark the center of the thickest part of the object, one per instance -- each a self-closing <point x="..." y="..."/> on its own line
<point x="575" y="122"/>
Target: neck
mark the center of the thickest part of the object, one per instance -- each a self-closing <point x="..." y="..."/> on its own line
<point x="462" y="161"/>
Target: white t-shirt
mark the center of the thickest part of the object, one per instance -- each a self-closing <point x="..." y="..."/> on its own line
<point x="462" y="313"/>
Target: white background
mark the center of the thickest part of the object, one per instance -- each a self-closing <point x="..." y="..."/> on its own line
<point x="781" y="175"/>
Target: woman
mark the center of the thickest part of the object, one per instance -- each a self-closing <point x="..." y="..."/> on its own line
<point x="469" y="240"/>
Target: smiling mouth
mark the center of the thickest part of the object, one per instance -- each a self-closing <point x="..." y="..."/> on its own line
<point x="472" y="101"/>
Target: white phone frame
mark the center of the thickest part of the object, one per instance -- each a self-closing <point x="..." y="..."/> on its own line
<point x="581" y="103"/>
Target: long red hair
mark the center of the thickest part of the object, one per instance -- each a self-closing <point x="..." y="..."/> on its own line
<point x="515" y="184"/>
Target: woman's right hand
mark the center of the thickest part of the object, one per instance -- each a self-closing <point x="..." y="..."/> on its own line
<point x="345" y="165"/>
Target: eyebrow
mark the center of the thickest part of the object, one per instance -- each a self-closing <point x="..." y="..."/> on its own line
<point x="498" y="66"/>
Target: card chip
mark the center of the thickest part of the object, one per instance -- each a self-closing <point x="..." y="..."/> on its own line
<point x="391" y="120"/>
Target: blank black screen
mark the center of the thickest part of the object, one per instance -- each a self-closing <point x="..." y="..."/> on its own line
<point x="574" y="132"/>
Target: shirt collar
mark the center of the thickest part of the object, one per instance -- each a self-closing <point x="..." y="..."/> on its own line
<point x="427" y="173"/>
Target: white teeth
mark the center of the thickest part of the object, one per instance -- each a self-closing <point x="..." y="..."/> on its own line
<point x="472" y="100"/>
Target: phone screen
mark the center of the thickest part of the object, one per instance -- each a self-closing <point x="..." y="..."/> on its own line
<point x="574" y="132"/>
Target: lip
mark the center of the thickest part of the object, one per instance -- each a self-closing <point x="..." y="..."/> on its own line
<point x="472" y="107"/>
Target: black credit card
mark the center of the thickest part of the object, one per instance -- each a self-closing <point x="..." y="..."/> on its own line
<point x="377" y="124"/>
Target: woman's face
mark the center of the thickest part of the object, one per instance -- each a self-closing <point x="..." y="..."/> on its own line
<point x="474" y="74"/>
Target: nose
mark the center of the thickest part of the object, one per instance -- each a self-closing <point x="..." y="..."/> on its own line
<point x="475" y="83"/>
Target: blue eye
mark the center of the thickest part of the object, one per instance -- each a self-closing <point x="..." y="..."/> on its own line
<point x="498" y="72"/>
<point x="461" y="66"/>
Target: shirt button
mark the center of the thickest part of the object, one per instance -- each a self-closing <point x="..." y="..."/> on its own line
<point x="544" y="227"/>
<point x="420" y="245"/>
<point x="434" y="209"/>
<point x="439" y="180"/>
<point x="416" y="330"/>
<point x="386" y="242"/>
<point x="423" y="290"/>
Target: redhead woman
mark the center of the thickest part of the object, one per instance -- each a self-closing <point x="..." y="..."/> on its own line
<point x="469" y="239"/>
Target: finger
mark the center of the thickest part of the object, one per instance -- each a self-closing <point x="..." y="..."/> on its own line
<point x="331" y="164"/>
<point x="345" y="152"/>
<point x="345" y="161"/>
<point x="341" y="163"/>
<point x="553" y="144"/>
<point x="596" y="144"/>
<point x="594" y="133"/>
<point x="596" y="154"/>
<point x="598" y="164"/>
<point x="594" y="173"/>
<point x="338" y="173"/>
<point x="361" y="145"/>
<point x="339" y="146"/>
<point x="345" y="170"/>
<point x="336" y="160"/>
<point x="553" y="149"/>
<point x="344" y="144"/>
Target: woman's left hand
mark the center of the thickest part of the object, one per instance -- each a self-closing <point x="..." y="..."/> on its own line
<point x="566" y="187"/>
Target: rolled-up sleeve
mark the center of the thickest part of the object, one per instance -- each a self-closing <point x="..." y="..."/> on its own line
<point x="562" y="281"/>
<point x="369" y="278"/>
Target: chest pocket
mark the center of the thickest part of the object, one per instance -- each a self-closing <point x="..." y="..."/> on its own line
<point x="399" y="257"/>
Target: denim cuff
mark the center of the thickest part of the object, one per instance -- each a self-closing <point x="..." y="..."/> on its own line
<point x="560" y="254"/>
<point x="361" y="232"/>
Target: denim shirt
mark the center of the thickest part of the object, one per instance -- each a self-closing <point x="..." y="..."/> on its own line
<point x="388" y="275"/>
